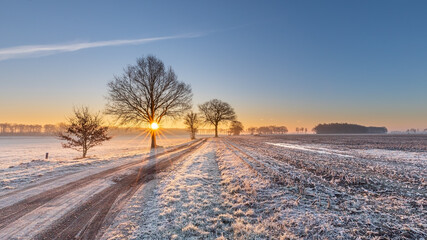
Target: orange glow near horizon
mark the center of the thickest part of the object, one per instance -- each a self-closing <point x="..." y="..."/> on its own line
<point x="291" y="120"/>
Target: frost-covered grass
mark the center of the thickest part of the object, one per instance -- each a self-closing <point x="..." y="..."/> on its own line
<point x="296" y="188"/>
<point x="183" y="203"/>
<point x="364" y="195"/>
<point x="245" y="188"/>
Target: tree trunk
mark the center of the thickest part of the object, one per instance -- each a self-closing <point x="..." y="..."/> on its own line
<point x="153" y="140"/>
<point x="216" y="130"/>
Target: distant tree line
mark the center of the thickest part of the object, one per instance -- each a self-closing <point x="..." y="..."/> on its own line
<point x="413" y="130"/>
<point x="205" y="131"/>
<point x="147" y="92"/>
<point x="340" y="128"/>
<point x="301" y="130"/>
<point x="268" y="130"/>
<point x="28" y="129"/>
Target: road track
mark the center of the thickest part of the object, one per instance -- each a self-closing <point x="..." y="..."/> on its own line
<point x="86" y="220"/>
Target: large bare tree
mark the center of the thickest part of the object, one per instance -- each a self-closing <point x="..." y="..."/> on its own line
<point x="192" y="122"/>
<point x="216" y="111"/>
<point x="84" y="131"/>
<point x="147" y="93"/>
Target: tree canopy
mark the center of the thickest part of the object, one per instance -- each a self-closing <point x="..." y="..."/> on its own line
<point x="84" y="131"/>
<point x="192" y="122"/>
<point x="216" y="111"/>
<point x="147" y="92"/>
<point x="236" y="127"/>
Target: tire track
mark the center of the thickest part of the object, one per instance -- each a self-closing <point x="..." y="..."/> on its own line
<point x="91" y="218"/>
<point x="10" y="214"/>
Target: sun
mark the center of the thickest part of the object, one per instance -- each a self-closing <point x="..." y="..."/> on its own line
<point x="154" y="126"/>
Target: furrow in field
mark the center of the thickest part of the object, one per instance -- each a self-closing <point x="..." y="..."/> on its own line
<point x="385" y="211"/>
<point x="354" y="173"/>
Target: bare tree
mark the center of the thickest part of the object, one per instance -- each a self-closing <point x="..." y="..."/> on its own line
<point x="3" y="127"/>
<point x="147" y="93"/>
<point x="12" y="128"/>
<point x="192" y="121"/>
<point x="236" y="127"/>
<point x="216" y="111"/>
<point x="84" y="131"/>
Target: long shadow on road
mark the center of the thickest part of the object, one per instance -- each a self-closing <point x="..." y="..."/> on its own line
<point x="85" y="221"/>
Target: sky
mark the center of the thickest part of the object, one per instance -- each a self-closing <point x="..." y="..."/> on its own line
<point x="292" y="63"/>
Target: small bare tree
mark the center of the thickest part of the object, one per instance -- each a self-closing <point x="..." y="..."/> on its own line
<point x="147" y="93"/>
<point x="216" y="111"/>
<point x="236" y="127"/>
<point x="192" y="121"/>
<point x="84" y="131"/>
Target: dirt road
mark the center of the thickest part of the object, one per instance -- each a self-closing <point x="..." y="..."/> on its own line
<point x="80" y="209"/>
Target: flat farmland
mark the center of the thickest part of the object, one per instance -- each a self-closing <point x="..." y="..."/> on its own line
<point x="342" y="185"/>
<point x="243" y="187"/>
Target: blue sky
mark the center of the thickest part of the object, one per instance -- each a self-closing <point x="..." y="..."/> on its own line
<point x="296" y="63"/>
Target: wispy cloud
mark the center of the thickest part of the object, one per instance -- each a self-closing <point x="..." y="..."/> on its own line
<point x="44" y="50"/>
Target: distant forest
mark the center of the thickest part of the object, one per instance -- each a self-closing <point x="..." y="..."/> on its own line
<point x="16" y="129"/>
<point x="269" y="130"/>
<point x="28" y="129"/>
<point x="339" y="128"/>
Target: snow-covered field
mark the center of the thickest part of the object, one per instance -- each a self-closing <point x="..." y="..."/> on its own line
<point x="257" y="187"/>
<point x="272" y="188"/>
<point x="22" y="159"/>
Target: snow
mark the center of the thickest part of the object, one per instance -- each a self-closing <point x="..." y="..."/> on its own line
<point x="18" y="150"/>
<point x="280" y="192"/>
<point x="183" y="203"/>
<point x="250" y="188"/>
<point x="22" y="158"/>
<point x="312" y="148"/>
<point x="420" y="157"/>
<point x="29" y="225"/>
<point x="40" y="218"/>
